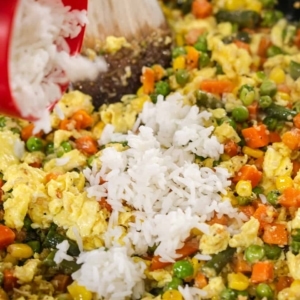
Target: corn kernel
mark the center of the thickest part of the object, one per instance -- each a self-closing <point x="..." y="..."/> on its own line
<point x="140" y="91"/>
<point x="79" y="292"/>
<point x="284" y="96"/>
<point x="244" y="188"/>
<point x="98" y="129"/>
<point x="295" y="286"/>
<point x="10" y="259"/>
<point x="20" y="251"/>
<point x="179" y="40"/>
<point x="238" y="281"/>
<point x="254" y="5"/>
<point x="172" y="295"/>
<point x="283" y="182"/>
<point x="252" y="152"/>
<point x="277" y="75"/>
<point x="179" y="62"/>
<point x="234" y="4"/>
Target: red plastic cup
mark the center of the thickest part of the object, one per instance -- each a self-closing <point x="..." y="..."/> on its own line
<point x="7" y="13"/>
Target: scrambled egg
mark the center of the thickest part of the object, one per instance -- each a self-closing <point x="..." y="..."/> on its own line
<point x="293" y="262"/>
<point x="277" y="161"/>
<point x="234" y="164"/>
<point x="214" y="288"/>
<point x="216" y="241"/>
<point x="114" y="44"/>
<point x="225" y="132"/>
<point x="248" y="235"/>
<point x="161" y="276"/>
<point x="70" y="206"/>
<point x="27" y="272"/>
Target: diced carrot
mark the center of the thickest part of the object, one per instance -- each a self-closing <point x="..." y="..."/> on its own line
<point x="283" y="88"/>
<point x="87" y="145"/>
<point x="296" y="167"/>
<point x="248" y="210"/>
<point x="256" y="136"/>
<point x="61" y="281"/>
<point x="242" y="45"/>
<point x="240" y="265"/>
<point x="248" y="172"/>
<point x="253" y="110"/>
<point x="9" y="280"/>
<point x="274" y="137"/>
<point x="159" y="72"/>
<point x="263" y="46"/>
<point x="290" y="197"/>
<point x="275" y="234"/>
<point x="297" y="38"/>
<point x="66" y="124"/>
<point x="231" y="148"/>
<point x="104" y="204"/>
<point x="216" y="86"/>
<point x="292" y="139"/>
<point x="7" y="236"/>
<point x="190" y="247"/>
<point x="83" y="119"/>
<point x="192" y="36"/>
<point x="51" y="176"/>
<point x="223" y="220"/>
<point x="296" y="121"/>
<point x="283" y="282"/>
<point x="1" y="191"/>
<point x="258" y="163"/>
<point x="192" y="57"/>
<point x="261" y="214"/>
<point x="27" y="132"/>
<point x="249" y="30"/>
<point x="148" y="79"/>
<point x="200" y="281"/>
<point x="201" y="9"/>
<point x="262" y="271"/>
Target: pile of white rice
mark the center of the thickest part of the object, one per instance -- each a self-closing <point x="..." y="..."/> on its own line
<point x="40" y="61"/>
<point x="169" y="193"/>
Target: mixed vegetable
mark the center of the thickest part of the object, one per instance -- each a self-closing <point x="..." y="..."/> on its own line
<point x="237" y="59"/>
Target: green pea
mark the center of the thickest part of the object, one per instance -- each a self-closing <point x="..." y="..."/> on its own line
<point x="254" y="253"/>
<point x="35" y="246"/>
<point x="49" y="148"/>
<point x="243" y="36"/>
<point x="294" y="69"/>
<point x="182" y="76"/>
<point x="2" y="121"/>
<point x="272" y="251"/>
<point x="174" y="284"/>
<point x="296" y="234"/>
<point x="272" y="197"/>
<point x="67" y="147"/>
<point x="229" y="121"/>
<point x="263" y="290"/>
<point x="204" y="60"/>
<point x="34" y="144"/>
<point x="228" y="294"/>
<point x="247" y="94"/>
<point x="265" y="101"/>
<point x="240" y="114"/>
<point x="183" y="269"/>
<point x="268" y="88"/>
<point x="201" y="44"/>
<point x="273" y="51"/>
<point x="178" y="51"/>
<point x="270" y="122"/>
<point x="295" y="247"/>
<point x="162" y="88"/>
<point x="258" y="190"/>
<point x="242" y="201"/>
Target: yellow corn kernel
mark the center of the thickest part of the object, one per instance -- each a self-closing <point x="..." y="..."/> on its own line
<point x="296" y="285"/>
<point x="253" y="152"/>
<point x="20" y="251"/>
<point x="225" y="157"/>
<point x="172" y="295"/>
<point x="244" y="188"/>
<point x="140" y="91"/>
<point x="10" y="259"/>
<point x="283" y="182"/>
<point x="196" y="265"/>
<point x="234" y="4"/>
<point x="284" y="96"/>
<point x="79" y="292"/>
<point x="254" y="5"/>
<point x="98" y="129"/>
<point x="277" y="75"/>
<point x="238" y="281"/>
<point x="179" y="62"/>
<point x="179" y="40"/>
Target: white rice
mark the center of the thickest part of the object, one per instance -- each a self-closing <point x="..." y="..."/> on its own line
<point x="192" y="293"/>
<point x="61" y="253"/>
<point x="169" y="193"/>
<point x="40" y="59"/>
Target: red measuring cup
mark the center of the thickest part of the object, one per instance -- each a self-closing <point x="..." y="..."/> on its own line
<point x="7" y="14"/>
